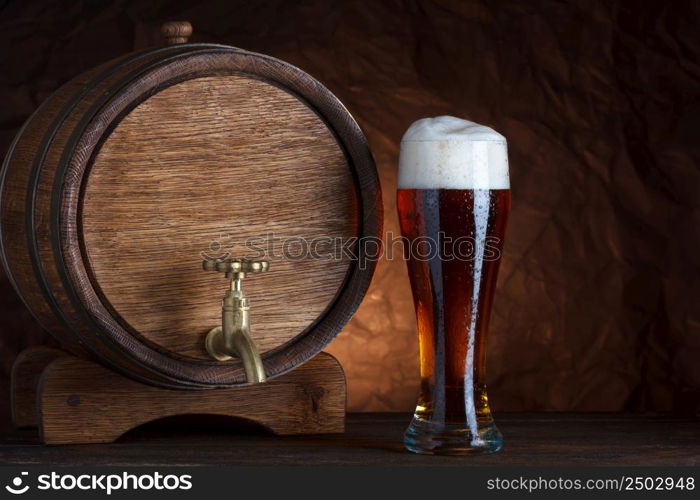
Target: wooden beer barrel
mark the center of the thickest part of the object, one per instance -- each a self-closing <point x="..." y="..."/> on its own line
<point x="120" y="183"/>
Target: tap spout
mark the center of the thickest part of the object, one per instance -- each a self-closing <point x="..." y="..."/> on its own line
<point x="233" y="339"/>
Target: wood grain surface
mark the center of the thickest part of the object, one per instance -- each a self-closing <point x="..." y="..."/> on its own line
<point x="241" y="163"/>
<point x="83" y="402"/>
<point x="26" y="373"/>
<point x="371" y="439"/>
<point x="19" y="168"/>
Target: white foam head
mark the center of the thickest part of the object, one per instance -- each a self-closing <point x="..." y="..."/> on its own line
<point x="451" y="153"/>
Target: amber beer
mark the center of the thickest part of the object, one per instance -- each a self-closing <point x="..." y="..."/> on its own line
<point x="453" y="204"/>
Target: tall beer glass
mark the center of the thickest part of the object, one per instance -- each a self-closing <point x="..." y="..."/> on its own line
<point x="453" y="203"/>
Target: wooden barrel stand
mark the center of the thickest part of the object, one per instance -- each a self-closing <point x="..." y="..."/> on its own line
<point x="72" y="400"/>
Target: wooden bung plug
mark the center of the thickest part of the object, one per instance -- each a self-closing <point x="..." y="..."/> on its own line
<point x="176" y="32"/>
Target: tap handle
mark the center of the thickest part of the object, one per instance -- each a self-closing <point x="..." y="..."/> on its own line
<point x="243" y="266"/>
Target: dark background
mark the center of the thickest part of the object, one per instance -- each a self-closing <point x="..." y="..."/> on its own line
<point x="598" y="305"/>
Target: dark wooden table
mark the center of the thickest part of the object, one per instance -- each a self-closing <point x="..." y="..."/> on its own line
<point x="543" y="439"/>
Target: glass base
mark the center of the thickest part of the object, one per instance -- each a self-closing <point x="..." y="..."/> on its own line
<point x="430" y="438"/>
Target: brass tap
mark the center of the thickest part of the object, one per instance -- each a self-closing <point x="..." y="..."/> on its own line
<point x="233" y="337"/>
